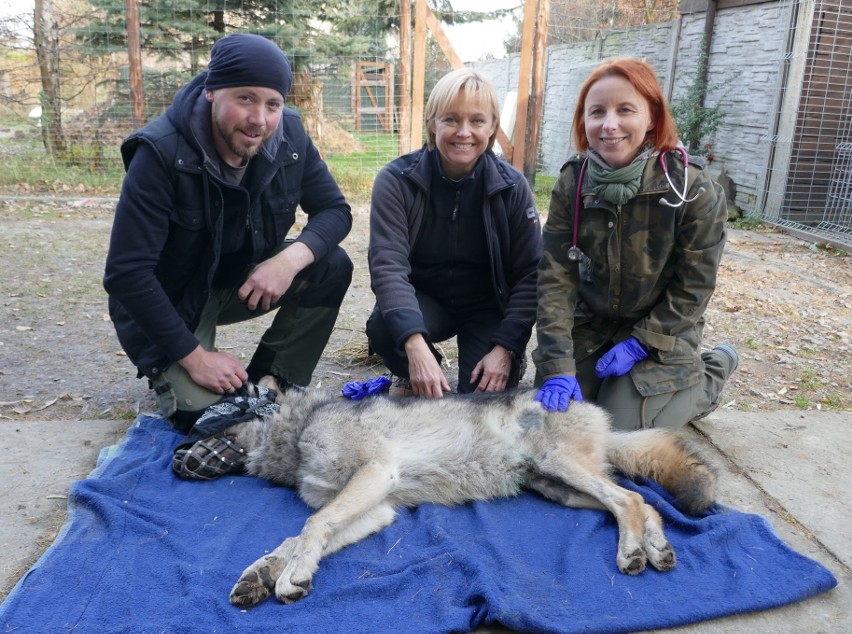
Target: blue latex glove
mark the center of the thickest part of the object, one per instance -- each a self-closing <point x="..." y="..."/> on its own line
<point x="356" y="390"/>
<point x="621" y="357"/>
<point x="555" y="394"/>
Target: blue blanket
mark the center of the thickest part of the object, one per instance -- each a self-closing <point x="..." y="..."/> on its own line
<point x="143" y="551"/>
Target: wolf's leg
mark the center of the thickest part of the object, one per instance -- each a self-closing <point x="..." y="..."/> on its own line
<point x="562" y="494"/>
<point x="657" y="547"/>
<point x="300" y="565"/>
<point x="634" y="523"/>
<point x="358" y="510"/>
<point x="370" y="522"/>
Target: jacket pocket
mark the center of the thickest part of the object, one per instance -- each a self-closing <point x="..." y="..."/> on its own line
<point x="683" y="352"/>
<point x="190" y="218"/>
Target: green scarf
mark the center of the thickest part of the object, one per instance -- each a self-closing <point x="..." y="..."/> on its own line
<point x="616" y="186"/>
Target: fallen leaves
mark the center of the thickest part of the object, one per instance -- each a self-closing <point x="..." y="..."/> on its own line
<point x="25" y="406"/>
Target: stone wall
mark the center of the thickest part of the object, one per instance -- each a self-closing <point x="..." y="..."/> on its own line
<point x="746" y="59"/>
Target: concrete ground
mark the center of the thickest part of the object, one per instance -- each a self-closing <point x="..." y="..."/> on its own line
<point x="791" y="467"/>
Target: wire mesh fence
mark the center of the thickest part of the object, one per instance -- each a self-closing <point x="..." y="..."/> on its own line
<point x="346" y="58"/>
<point x="807" y="188"/>
<point x="786" y="101"/>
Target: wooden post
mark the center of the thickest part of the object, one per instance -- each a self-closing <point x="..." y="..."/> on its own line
<point x="418" y="75"/>
<point x="134" y="57"/>
<point x="528" y="33"/>
<point x="537" y="92"/>
<point x="404" y="76"/>
<point x="356" y="96"/>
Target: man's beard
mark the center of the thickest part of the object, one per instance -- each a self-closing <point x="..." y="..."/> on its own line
<point x="230" y="139"/>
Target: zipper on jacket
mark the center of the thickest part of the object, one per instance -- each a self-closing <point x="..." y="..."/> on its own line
<point x="456" y="204"/>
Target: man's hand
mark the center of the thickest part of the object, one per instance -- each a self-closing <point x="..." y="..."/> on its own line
<point x="270" y="279"/>
<point x="492" y="371"/>
<point x="218" y="372"/>
<point x="424" y="373"/>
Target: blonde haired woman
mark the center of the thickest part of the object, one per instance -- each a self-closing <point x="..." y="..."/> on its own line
<point x="454" y="247"/>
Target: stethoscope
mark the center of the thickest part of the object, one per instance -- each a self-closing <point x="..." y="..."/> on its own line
<point x="574" y="252"/>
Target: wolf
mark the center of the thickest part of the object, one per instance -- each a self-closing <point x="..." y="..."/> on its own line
<point x="357" y="462"/>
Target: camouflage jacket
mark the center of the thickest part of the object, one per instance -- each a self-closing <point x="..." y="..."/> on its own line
<point x="647" y="270"/>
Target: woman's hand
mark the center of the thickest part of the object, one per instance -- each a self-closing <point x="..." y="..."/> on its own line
<point x="492" y="371"/>
<point x="424" y="373"/>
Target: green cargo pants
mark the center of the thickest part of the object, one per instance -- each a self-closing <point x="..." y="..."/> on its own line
<point x="630" y="410"/>
<point x="291" y="346"/>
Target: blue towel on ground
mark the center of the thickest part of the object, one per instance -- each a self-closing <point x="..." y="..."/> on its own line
<point x="143" y="551"/>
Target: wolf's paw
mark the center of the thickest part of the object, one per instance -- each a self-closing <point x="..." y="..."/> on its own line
<point x="248" y="592"/>
<point x="256" y="583"/>
<point x="632" y="563"/>
<point x="660" y="553"/>
<point x="662" y="559"/>
<point x="295" y="579"/>
<point x="289" y="590"/>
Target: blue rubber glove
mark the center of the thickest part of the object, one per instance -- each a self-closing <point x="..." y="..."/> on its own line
<point x="555" y="394"/>
<point x="356" y="390"/>
<point x="621" y="357"/>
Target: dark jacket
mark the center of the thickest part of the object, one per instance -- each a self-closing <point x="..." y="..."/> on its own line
<point x="167" y="233"/>
<point x="648" y="271"/>
<point x="513" y="234"/>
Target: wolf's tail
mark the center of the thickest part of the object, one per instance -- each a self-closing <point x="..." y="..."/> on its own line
<point x="667" y="458"/>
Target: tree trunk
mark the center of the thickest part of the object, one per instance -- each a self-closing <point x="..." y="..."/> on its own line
<point x="307" y="98"/>
<point x="46" y="32"/>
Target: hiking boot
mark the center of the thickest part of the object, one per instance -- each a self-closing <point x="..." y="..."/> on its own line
<point x="731" y="352"/>
<point x="401" y="388"/>
<point x="733" y="361"/>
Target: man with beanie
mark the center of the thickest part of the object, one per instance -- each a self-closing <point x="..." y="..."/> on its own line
<point x="200" y="235"/>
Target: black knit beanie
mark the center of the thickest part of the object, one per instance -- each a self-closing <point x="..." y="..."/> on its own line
<point x="243" y="59"/>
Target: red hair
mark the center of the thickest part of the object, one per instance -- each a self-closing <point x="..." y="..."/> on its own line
<point x="643" y="79"/>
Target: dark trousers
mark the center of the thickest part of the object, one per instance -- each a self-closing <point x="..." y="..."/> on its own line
<point x="291" y="346"/>
<point x="473" y="329"/>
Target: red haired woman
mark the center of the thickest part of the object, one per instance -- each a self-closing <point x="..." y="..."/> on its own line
<point x="632" y="245"/>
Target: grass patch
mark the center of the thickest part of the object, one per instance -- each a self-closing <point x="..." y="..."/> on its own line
<point x="833" y="401"/>
<point x="801" y="401"/>
<point x="749" y="222"/>
<point x="355" y="171"/>
<point x="542" y="190"/>
<point x="751" y="343"/>
<point x="808" y="379"/>
<point x="93" y="167"/>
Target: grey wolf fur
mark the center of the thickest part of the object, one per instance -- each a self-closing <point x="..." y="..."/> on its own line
<point x="358" y="461"/>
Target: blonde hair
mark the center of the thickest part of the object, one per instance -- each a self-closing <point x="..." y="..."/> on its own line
<point x="450" y="86"/>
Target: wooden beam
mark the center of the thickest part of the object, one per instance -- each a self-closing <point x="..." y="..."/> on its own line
<point x="443" y="41"/>
<point x="537" y="91"/>
<point x="404" y="76"/>
<point x="528" y="33"/>
<point x="390" y="97"/>
<point x="418" y="75"/>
